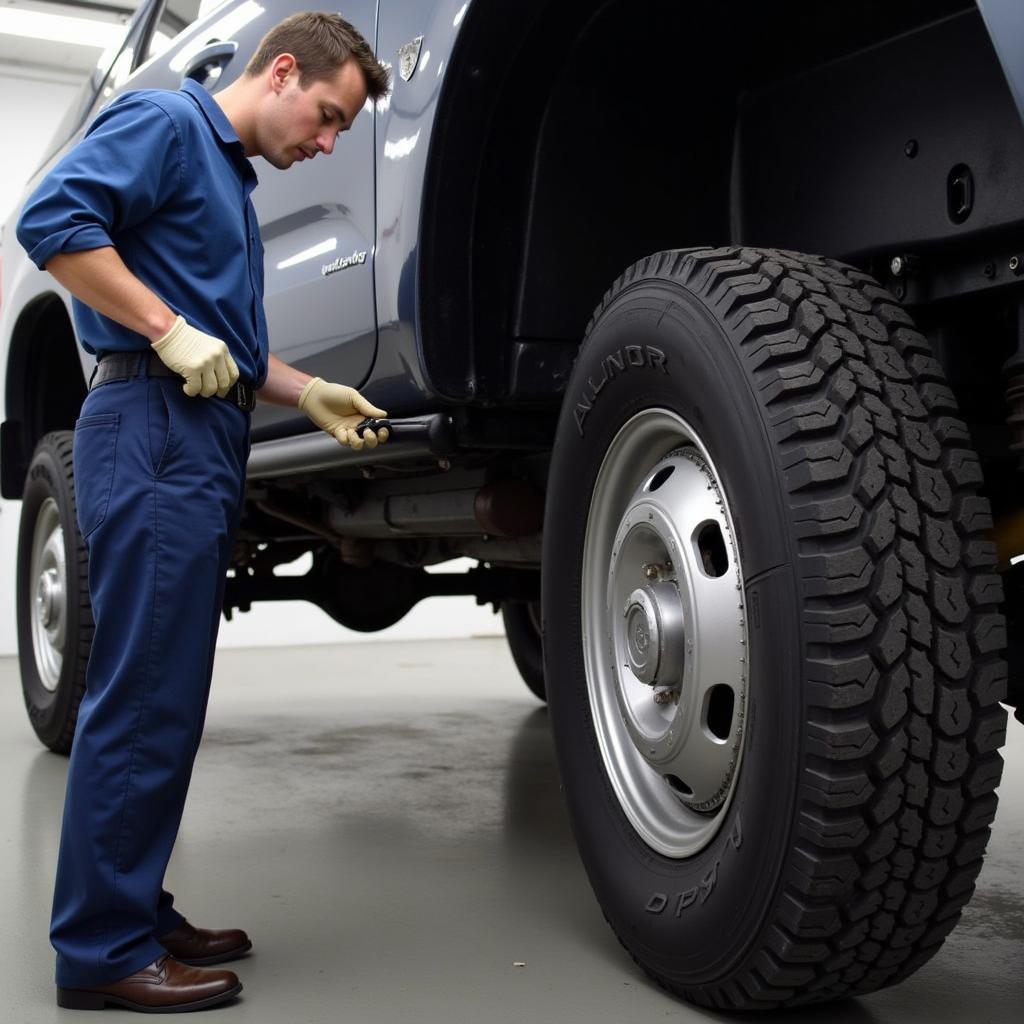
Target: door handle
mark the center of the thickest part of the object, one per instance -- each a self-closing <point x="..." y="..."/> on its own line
<point x="215" y="55"/>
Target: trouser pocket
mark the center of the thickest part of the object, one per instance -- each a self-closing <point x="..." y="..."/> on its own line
<point x="94" y="454"/>
<point x="160" y="421"/>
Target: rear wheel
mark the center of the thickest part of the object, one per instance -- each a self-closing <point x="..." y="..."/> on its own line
<point x="55" y="625"/>
<point x="775" y="691"/>
<point x="522" y="631"/>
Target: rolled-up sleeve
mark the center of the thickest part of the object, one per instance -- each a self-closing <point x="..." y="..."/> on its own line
<point x="127" y="166"/>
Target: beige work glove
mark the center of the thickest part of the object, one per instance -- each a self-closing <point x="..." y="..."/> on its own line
<point x="204" y="361"/>
<point x="338" y="409"/>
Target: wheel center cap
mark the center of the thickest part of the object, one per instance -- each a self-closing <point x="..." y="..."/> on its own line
<point x="48" y="597"/>
<point x="655" y="637"/>
<point x="639" y="629"/>
<point x="44" y="600"/>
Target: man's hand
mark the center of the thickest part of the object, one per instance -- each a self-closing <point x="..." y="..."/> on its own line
<point x="337" y="409"/>
<point x="203" y="361"/>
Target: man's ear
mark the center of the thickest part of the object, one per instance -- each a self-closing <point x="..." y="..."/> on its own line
<point x="283" y="67"/>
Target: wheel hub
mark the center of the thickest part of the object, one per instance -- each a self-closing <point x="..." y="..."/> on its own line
<point x="664" y="632"/>
<point x="49" y="597"/>
<point x="655" y="635"/>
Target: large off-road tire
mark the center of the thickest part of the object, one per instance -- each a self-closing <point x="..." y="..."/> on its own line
<point x="55" y="625"/>
<point x="773" y="648"/>
<point x="522" y="631"/>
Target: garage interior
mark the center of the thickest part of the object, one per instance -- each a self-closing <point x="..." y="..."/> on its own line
<point x="385" y="817"/>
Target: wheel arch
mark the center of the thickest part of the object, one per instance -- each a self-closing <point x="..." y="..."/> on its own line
<point x="44" y="385"/>
<point x="571" y="139"/>
<point x="512" y="181"/>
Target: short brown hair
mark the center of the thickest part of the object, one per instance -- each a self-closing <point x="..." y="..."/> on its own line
<point x="320" y="43"/>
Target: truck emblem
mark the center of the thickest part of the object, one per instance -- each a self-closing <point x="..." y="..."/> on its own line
<point x="409" y="57"/>
<point x="342" y="262"/>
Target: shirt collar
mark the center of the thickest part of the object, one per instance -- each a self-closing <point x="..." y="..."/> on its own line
<point x="223" y="128"/>
<point x="211" y="108"/>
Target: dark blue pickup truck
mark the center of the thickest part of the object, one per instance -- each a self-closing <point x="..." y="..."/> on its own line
<point x="702" y="329"/>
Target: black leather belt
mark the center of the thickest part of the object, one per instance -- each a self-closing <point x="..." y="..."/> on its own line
<point x="124" y="365"/>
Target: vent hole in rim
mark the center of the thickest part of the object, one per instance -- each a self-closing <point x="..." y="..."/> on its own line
<point x="714" y="559"/>
<point x="679" y="786"/>
<point x="660" y="477"/>
<point x="720" y="704"/>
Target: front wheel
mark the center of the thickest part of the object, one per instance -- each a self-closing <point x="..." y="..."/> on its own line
<point x="775" y="688"/>
<point x="55" y="625"/>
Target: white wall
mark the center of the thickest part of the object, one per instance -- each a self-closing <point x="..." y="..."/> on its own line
<point x="30" y="107"/>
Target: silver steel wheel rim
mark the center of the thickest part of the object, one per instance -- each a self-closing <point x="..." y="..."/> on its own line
<point x="664" y="632"/>
<point x="49" y="594"/>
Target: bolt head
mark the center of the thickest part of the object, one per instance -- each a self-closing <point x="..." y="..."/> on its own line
<point x="896" y="266"/>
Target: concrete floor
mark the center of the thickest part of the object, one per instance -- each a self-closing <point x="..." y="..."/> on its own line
<point x="385" y="821"/>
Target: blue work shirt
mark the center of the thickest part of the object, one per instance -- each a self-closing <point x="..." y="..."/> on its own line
<point x="163" y="178"/>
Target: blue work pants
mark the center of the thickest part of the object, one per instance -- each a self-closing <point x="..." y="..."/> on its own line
<point x="159" y="480"/>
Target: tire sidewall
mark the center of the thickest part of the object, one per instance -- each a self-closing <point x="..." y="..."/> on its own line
<point x="51" y="713"/>
<point x="691" y="919"/>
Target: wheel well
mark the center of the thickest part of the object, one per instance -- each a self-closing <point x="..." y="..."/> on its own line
<point x="44" y="388"/>
<point x="570" y="142"/>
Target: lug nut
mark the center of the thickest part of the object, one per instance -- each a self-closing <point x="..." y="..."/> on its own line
<point x="657" y="570"/>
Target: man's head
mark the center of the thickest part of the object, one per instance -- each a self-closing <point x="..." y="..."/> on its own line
<point x="315" y="72"/>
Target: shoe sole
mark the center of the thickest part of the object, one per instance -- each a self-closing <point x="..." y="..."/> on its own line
<point x="220" y="958"/>
<point x="83" y="999"/>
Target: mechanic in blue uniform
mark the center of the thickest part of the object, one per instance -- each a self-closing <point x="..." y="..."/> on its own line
<point x="148" y="223"/>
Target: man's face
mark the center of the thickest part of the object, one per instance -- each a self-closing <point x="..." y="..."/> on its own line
<point x="298" y="123"/>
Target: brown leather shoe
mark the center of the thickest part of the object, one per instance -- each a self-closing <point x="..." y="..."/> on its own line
<point x="165" y="986"/>
<point x="202" y="946"/>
